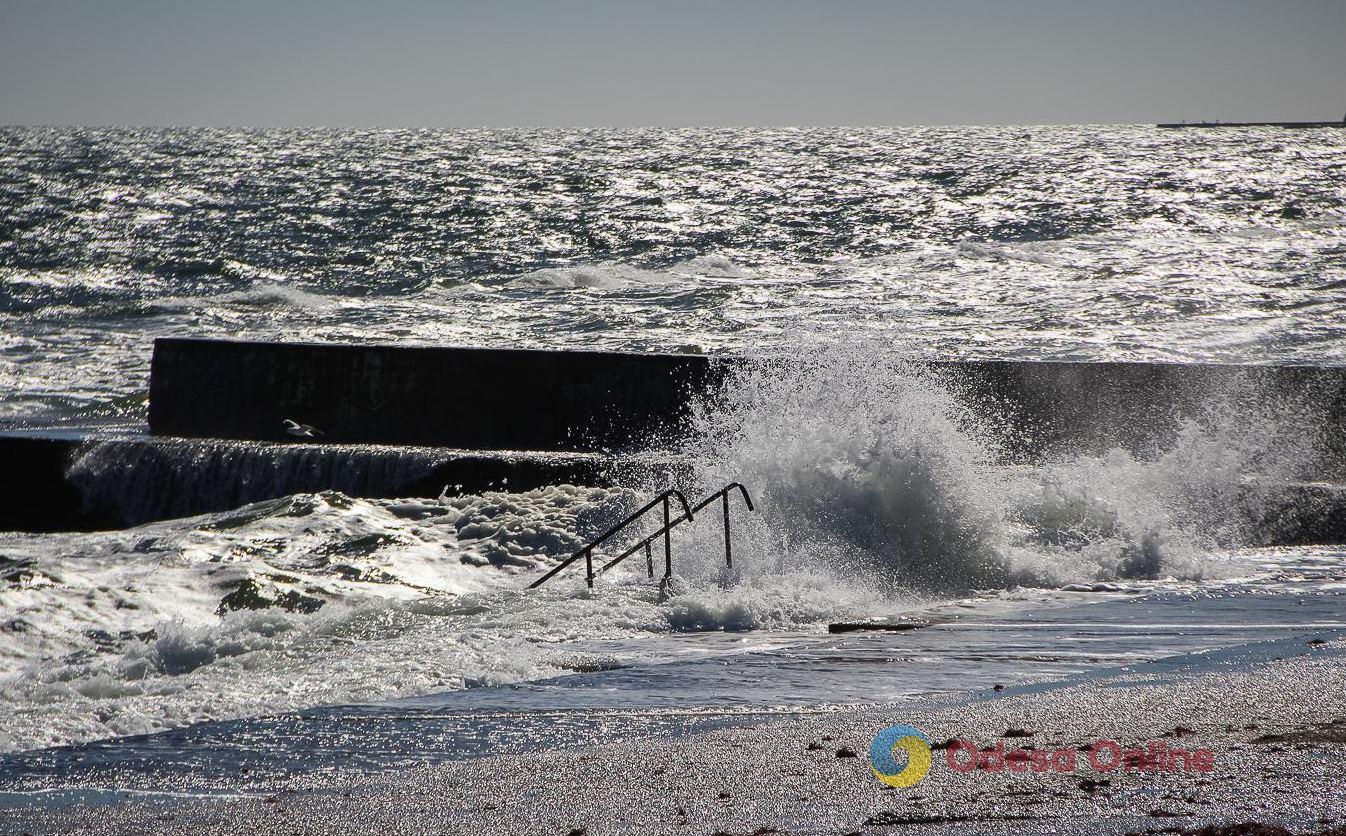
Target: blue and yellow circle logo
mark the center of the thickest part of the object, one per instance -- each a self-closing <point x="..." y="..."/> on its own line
<point x="911" y="766"/>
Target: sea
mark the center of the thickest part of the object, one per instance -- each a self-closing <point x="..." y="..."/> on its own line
<point x="834" y="260"/>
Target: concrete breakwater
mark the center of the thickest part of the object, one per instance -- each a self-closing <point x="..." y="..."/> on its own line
<point x="405" y="421"/>
<point x="502" y="399"/>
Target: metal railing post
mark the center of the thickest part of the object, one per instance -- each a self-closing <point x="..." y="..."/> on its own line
<point x="649" y="558"/>
<point x="668" y="543"/>
<point x="728" y="549"/>
<point x="589" y="566"/>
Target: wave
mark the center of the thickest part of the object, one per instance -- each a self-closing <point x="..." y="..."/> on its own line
<point x="308" y="600"/>
<point x="870" y="466"/>
<point x="617" y="277"/>
<point x="595" y="277"/>
<point x="271" y="294"/>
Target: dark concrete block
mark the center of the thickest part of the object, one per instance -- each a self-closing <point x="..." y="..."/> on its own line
<point x="484" y="399"/>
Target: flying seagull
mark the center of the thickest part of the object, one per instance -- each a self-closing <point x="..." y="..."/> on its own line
<point x="301" y="430"/>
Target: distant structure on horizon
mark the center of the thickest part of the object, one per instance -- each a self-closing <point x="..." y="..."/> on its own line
<point x="1218" y="124"/>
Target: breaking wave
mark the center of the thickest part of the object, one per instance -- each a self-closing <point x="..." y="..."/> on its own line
<point x="871" y="466"/>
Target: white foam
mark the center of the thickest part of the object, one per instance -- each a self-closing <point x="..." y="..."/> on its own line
<point x="595" y="276"/>
<point x="710" y="266"/>
<point x="272" y="293"/>
<point x="619" y="277"/>
<point x="121" y="632"/>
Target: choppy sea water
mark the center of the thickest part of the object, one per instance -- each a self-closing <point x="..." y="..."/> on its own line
<point x="845" y="252"/>
<point x="1025" y="242"/>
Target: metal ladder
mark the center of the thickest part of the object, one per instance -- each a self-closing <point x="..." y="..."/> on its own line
<point x="664" y="499"/>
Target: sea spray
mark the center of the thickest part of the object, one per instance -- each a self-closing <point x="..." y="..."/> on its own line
<point x="1210" y="485"/>
<point x="869" y="468"/>
<point x="879" y="492"/>
<point x="860" y="461"/>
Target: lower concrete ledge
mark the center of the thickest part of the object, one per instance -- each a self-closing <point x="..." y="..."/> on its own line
<point x="73" y="484"/>
<point x="88" y="485"/>
<point x="35" y="494"/>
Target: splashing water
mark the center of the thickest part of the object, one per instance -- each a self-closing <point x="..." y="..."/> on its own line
<point x="869" y="469"/>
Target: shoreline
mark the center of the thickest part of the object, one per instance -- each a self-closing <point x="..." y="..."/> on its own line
<point x="1276" y="728"/>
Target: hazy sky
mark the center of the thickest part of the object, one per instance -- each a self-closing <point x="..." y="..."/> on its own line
<point x="677" y="62"/>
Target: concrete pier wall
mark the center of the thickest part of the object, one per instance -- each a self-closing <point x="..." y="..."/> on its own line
<point x="491" y="399"/>
<point x="36" y="494"/>
<point x="479" y="399"/>
<point x="1295" y="125"/>
<point x="1041" y="409"/>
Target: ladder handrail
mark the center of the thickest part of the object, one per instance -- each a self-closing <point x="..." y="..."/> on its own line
<point x="587" y="550"/>
<point x="722" y="492"/>
<point x="747" y="500"/>
<point x="688" y="514"/>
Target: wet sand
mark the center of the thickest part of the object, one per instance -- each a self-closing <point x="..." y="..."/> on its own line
<point x="1277" y="730"/>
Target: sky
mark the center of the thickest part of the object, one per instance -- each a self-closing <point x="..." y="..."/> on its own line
<point x="676" y="62"/>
